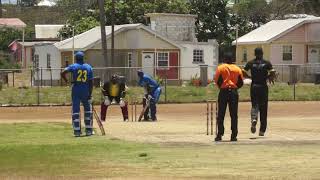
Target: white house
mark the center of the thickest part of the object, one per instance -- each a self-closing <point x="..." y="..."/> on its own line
<point x="172" y="52"/>
<point x="47" y="68"/>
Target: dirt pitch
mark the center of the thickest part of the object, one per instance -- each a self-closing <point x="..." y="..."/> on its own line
<point x="292" y="122"/>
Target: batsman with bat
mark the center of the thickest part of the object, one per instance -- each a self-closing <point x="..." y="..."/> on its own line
<point x="152" y="94"/>
<point x="229" y="79"/>
<point x="82" y="85"/>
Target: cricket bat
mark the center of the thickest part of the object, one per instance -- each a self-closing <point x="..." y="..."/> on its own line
<point x="98" y="121"/>
<point x="144" y="109"/>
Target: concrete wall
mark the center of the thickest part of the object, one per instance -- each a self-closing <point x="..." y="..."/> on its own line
<point x="137" y="39"/>
<point x="174" y="27"/>
<point x="313" y="30"/>
<point x="295" y="36"/>
<point x="250" y="52"/>
<point x="298" y="54"/>
<point x="190" y="68"/>
<point x="42" y="51"/>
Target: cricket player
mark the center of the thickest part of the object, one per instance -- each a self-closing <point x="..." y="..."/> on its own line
<point x="261" y="71"/>
<point x="114" y="90"/>
<point x="82" y="84"/>
<point x="229" y="79"/>
<point x="152" y="94"/>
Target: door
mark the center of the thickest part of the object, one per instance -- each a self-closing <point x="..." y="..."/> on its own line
<point x="148" y="63"/>
<point x="314" y="55"/>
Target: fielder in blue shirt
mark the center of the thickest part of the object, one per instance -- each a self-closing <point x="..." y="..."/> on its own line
<point x="82" y="84"/>
<point x="152" y="93"/>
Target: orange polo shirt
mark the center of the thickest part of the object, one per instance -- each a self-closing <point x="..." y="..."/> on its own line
<point x="229" y="74"/>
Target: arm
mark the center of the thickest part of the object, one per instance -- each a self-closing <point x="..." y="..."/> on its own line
<point x="63" y="75"/>
<point x="105" y="89"/>
<point x="218" y="78"/>
<point x="122" y="90"/>
<point x="240" y="79"/>
<point x="272" y="74"/>
<point x="245" y="70"/>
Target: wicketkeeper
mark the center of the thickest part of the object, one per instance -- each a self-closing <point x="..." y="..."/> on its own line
<point x="152" y="92"/>
<point x="114" y="90"/>
<point x="229" y="79"/>
<point x="82" y="84"/>
<point x="261" y="71"/>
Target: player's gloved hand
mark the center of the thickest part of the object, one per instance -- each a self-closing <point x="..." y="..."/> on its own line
<point x="122" y="103"/>
<point x="90" y="99"/>
<point x="107" y="101"/>
<point x="149" y="97"/>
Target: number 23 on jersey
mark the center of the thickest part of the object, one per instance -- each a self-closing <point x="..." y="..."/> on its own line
<point x="82" y="75"/>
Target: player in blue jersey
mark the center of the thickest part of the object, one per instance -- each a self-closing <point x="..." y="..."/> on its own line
<point x="82" y="84"/>
<point x="152" y="93"/>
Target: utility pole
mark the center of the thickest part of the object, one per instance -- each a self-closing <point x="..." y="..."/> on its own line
<point x="0" y="8"/>
<point x="103" y="32"/>
<point x="112" y="32"/>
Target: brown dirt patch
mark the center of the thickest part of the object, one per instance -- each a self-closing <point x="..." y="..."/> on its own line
<point x="186" y="123"/>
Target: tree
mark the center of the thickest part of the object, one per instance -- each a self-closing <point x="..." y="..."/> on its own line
<point x="29" y="2"/>
<point x="80" y="25"/>
<point x="255" y="12"/>
<point x="7" y="35"/>
<point x="213" y="19"/>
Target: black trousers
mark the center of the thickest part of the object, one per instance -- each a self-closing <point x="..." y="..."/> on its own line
<point x="228" y="97"/>
<point x="259" y="102"/>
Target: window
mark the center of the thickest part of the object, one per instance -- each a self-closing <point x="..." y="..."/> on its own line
<point x="66" y="60"/>
<point x="130" y="59"/>
<point x="48" y="61"/>
<point x="198" y="56"/>
<point x="287" y="53"/>
<point x="36" y="61"/>
<point x="245" y="55"/>
<point x="163" y="59"/>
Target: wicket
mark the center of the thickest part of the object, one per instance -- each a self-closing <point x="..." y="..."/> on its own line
<point x="210" y="116"/>
<point x="133" y="110"/>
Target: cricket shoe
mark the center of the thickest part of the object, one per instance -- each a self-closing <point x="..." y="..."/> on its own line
<point x="233" y="138"/>
<point x="77" y="133"/>
<point x="261" y="133"/>
<point x="218" y="138"/>
<point x="89" y="133"/>
<point x="253" y="126"/>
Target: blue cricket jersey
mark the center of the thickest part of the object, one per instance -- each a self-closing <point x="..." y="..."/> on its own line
<point x="147" y="80"/>
<point x="81" y="75"/>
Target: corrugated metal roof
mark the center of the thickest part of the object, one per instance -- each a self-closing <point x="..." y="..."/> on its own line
<point x="84" y="40"/>
<point x="272" y="30"/>
<point x="89" y="38"/>
<point x="47" y="30"/>
<point x="12" y="22"/>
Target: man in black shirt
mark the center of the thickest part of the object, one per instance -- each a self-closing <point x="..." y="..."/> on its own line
<point x="261" y="71"/>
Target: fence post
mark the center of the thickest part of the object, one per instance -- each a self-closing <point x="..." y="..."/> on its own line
<point x="31" y="78"/>
<point x="165" y="87"/>
<point x="50" y="77"/>
<point x="38" y="87"/>
<point x="41" y="76"/>
<point x="60" y="77"/>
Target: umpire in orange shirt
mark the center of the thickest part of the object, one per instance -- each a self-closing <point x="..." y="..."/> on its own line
<point x="229" y="79"/>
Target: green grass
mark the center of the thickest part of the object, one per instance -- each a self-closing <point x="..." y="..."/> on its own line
<point x="49" y="150"/>
<point x="175" y="94"/>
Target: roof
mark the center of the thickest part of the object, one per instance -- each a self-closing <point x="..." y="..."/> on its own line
<point x="46" y="3"/>
<point x="12" y="22"/>
<point x="170" y="14"/>
<point x="89" y="38"/>
<point x="47" y="30"/>
<point x="32" y="43"/>
<point x="273" y="30"/>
